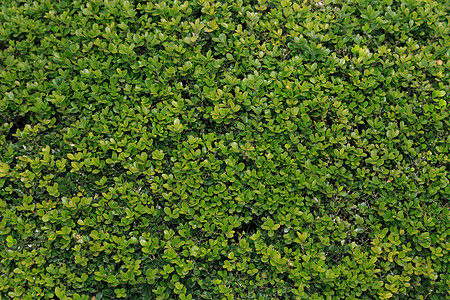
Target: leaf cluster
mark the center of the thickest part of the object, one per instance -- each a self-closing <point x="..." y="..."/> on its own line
<point x="238" y="149"/>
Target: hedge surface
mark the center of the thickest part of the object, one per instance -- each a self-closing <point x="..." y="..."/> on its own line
<point x="229" y="149"/>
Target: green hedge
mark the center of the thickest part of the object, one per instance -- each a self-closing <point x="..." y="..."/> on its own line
<point x="229" y="149"/>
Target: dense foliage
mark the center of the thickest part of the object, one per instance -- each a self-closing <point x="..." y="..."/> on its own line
<point x="228" y="149"/>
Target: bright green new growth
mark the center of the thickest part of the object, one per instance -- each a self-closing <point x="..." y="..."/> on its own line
<point x="228" y="149"/>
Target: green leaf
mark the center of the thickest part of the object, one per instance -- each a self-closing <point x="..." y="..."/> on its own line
<point x="4" y="169"/>
<point x="302" y="236"/>
<point x="158" y="155"/>
<point x="177" y="125"/>
<point x="59" y="293"/>
<point x="10" y="241"/>
<point x="438" y="94"/>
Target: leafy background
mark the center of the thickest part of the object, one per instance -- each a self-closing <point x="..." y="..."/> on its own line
<point x="224" y="149"/>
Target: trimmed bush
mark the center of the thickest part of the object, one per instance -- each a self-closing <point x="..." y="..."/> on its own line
<point x="229" y="149"/>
